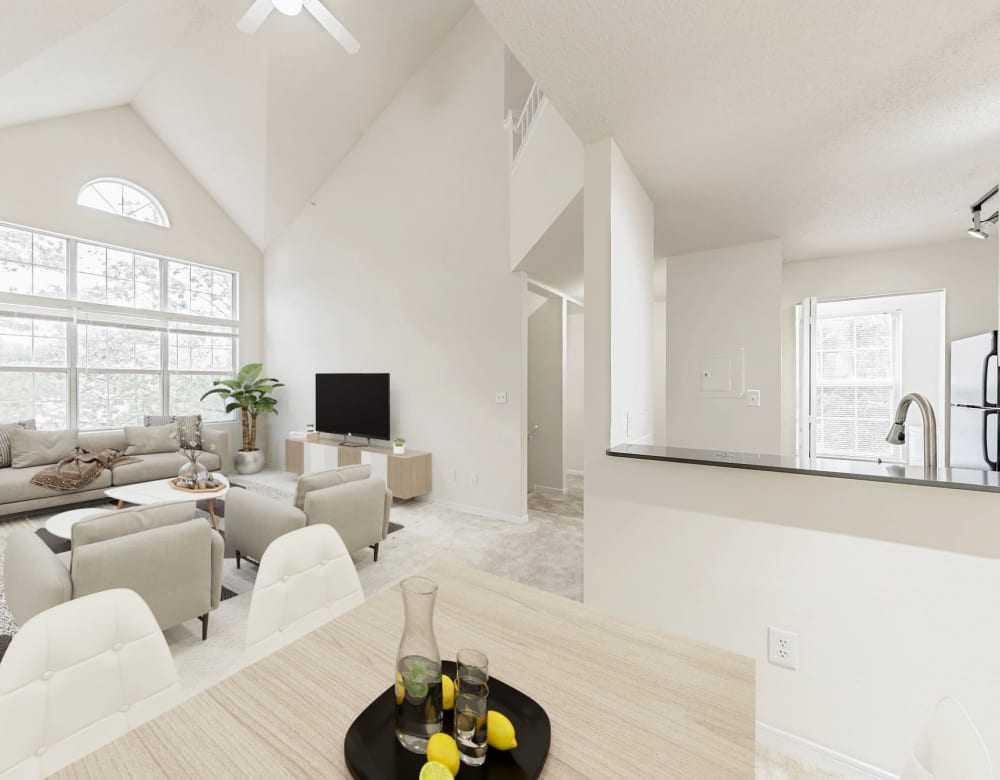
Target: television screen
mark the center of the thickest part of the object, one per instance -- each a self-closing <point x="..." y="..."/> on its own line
<point x="356" y="404"/>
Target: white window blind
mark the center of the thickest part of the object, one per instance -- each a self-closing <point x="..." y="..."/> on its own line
<point x="856" y="385"/>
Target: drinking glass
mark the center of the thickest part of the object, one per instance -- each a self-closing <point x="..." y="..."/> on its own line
<point x="471" y="694"/>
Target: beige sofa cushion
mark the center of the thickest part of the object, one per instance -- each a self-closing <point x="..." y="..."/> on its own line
<point x="5" y="430"/>
<point x="113" y="524"/>
<point x="155" y="438"/>
<point x="161" y="465"/>
<point x="324" y="479"/>
<point x="40" y="448"/>
<point x="15" y="485"/>
<point x="95" y="441"/>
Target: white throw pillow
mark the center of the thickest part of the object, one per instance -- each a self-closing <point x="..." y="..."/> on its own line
<point x="155" y="438"/>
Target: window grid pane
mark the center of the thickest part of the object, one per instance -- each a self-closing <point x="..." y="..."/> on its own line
<point x="856" y="386"/>
<point x="121" y="372"/>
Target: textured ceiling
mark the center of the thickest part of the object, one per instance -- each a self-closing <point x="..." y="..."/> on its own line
<point x="836" y="126"/>
<point x="260" y="120"/>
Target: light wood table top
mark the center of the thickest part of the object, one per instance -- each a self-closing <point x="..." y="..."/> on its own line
<point x="623" y="701"/>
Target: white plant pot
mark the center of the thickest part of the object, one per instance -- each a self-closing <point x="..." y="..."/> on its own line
<point x="248" y="461"/>
<point x="398" y="449"/>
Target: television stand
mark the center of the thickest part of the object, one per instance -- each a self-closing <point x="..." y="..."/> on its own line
<point x="407" y="475"/>
<point x="346" y="443"/>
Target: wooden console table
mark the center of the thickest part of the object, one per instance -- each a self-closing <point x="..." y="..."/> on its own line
<point x="407" y="476"/>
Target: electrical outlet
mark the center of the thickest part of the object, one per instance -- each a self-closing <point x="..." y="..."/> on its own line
<point x="501" y="397"/>
<point x="454" y="475"/>
<point x="753" y="397"/>
<point x="782" y="648"/>
<point x="474" y="479"/>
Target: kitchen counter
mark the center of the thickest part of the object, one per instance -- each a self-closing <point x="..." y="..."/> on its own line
<point x="960" y="479"/>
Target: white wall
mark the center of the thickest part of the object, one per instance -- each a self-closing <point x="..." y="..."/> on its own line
<point x="403" y="266"/>
<point x="547" y="176"/>
<point x="545" y="396"/>
<point x="660" y="372"/>
<point x="573" y="418"/>
<point x="891" y="611"/>
<point x="965" y="269"/>
<point x="631" y="305"/>
<point x="45" y="163"/>
<point x="717" y="302"/>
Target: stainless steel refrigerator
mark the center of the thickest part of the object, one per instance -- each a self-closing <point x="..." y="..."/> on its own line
<point x="975" y="436"/>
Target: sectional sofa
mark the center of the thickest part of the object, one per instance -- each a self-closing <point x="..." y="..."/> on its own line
<point x="18" y="494"/>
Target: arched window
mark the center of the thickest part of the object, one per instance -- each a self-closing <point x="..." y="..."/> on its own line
<point x="123" y="198"/>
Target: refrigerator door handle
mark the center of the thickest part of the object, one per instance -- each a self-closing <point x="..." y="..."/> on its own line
<point x="986" y="446"/>
<point x="986" y="380"/>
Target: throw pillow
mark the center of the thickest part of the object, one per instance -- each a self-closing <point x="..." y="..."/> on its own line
<point x="155" y="438"/>
<point x="40" y="448"/>
<point x="188" y="426"/>
<point x="5" y="430"/>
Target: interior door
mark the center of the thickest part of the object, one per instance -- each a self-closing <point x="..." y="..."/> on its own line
<point x="805" y="342"/>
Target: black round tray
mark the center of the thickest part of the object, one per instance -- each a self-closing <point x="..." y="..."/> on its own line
<point x="373" y="753"/>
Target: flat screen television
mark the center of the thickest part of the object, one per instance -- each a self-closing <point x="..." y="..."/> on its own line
<point x="355" y="404"/>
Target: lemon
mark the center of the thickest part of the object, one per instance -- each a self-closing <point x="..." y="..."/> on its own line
<point x="443" y="749"/>
<point x="447" y="692"/>
<point x="500" y="731"/>
<point x="434" y="770"/>
<point x="400" y="690"/>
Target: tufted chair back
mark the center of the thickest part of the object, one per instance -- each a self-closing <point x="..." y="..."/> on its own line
<point x="949" y="747"/>
<point x="306" y="578"/>
<point x="77" y="676"/>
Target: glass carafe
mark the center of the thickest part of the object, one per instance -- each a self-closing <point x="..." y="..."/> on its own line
<point x="419" y="713"/>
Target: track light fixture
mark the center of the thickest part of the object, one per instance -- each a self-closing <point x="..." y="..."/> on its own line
<point x="977" y="231"/>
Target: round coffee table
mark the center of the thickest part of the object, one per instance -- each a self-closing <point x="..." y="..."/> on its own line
<point x="61" y="525"/>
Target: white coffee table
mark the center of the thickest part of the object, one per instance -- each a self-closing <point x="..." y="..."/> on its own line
<point x="61" y="525"/>
<point x="160" y="491"/>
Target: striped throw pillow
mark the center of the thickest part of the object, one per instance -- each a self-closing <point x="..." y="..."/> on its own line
<point x="5" y="430"/>
<point x="188" y="426"/>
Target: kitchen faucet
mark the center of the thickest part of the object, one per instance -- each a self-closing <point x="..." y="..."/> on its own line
<point x="897" y="433"/>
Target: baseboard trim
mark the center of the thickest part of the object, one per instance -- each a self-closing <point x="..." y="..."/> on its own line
<point x="574" y="472"/>
<point x="479" y="511"/>
<point x="552" y="491"/>
<point x="819" y="756"/>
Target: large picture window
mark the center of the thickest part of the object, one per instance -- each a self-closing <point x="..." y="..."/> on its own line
<point x="133" y="334"/>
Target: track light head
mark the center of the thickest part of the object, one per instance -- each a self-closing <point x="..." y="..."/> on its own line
<point x="976" y="231"/>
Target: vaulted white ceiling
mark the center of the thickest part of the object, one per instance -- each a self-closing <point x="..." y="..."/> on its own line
<point x="260" y="120"/>
<point x="837" y="126"/>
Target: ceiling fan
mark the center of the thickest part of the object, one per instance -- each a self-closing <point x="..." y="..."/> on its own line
<point x="261" y="9"/>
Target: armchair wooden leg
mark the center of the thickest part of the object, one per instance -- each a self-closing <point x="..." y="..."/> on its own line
<point x="204" y="626"/>
<point x="237" y="559"/>
<point x="375" y="548"/>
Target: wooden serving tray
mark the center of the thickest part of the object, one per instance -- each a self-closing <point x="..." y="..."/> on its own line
<point x="372" y="751"/>
<point x="176" y="484"/>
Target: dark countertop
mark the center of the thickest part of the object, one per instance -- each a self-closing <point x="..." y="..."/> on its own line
<point x="960" y="479"/>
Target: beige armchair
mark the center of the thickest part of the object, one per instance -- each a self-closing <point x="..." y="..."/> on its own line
<point x="346" y="498"/>
<point x="171" y="558"/>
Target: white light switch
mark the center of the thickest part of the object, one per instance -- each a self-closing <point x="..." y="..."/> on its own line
<point x="501" y="397"/>
<point x="753" y="397"/>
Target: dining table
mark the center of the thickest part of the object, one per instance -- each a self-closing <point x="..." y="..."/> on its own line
<point x="624" y="701"/>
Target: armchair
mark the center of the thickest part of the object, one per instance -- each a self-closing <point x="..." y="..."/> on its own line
<point x="346" y="498"/>
<point x="172" y="559"/>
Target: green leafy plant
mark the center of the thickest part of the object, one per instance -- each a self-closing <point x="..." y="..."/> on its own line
<point x="251" y="394"/>
<point x="399" y="441"/>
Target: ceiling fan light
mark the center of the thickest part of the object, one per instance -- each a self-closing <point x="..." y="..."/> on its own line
<point x="288" y="7"/>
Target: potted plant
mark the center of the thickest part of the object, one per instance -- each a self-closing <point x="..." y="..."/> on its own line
<point x="251" y="394"/>
<point x="399" y="446"/>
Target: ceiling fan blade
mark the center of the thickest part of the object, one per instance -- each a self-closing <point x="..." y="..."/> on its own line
<point x="333" y="25"/>
<point x="255" y="17"/>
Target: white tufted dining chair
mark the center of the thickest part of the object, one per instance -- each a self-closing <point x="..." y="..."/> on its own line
<point x="949" y="747"/>
<point x="77" y="676"/>
<point x="305" y="579"/>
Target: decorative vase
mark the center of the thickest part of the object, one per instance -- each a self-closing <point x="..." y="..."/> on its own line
<point x="192" y="472"/>
<point x="248" y="461"/>
<point x="419" y="714"/>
